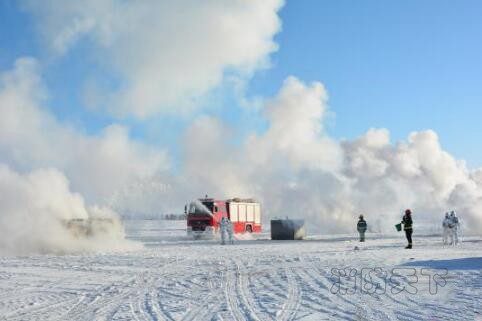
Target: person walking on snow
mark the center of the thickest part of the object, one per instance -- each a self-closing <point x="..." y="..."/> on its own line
<point x="446" y="229"/>
<point x="362" y="228"/>
<point x="224" y="227"/>
<point x="454" y="226"/>
<point x="408" y="227"/>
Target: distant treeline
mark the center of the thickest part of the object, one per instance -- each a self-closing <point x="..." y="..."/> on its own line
<point x="174" y="217"/>
<point x="145" y="216"/>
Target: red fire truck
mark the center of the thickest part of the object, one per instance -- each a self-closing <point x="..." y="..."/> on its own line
<point x="204" y="216"/>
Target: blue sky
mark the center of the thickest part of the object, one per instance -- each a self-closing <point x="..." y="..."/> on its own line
<point x="400" y="65"/>
<point x="403" y="65"/>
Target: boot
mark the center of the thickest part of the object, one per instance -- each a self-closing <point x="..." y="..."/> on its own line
<point x="409" y="246"/>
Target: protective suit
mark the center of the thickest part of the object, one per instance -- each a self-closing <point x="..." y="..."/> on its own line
<point x="223" y="230"/>
<point x="230" y="231"/>
<point x="446" y="229"/>
<point x="454" y="226"/>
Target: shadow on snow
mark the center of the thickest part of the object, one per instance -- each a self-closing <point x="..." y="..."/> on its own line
<point x="470" y="263"/>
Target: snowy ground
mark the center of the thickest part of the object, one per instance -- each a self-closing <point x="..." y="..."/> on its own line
<point x="178" y="279"/>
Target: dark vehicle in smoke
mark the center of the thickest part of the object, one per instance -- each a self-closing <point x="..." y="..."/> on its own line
<point x="93" y="227"/>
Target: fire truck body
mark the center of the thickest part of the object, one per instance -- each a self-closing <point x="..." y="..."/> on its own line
<point x="245" y="216"/>
<point x="204" y="216"/>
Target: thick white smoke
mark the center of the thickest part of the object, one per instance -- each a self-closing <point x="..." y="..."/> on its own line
<point x="33" y="200"/>
<point x="297" y="170"/>
<point x="35" y="209"/>
<point x="31" y="138"/>
<point x="293" y="167"/>
<point x="168" y="56"/>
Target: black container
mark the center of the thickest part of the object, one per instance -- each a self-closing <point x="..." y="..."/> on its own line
<point x="287" y="229"/>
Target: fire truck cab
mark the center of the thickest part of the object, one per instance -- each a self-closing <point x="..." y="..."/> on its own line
<point x="204" y="216"/>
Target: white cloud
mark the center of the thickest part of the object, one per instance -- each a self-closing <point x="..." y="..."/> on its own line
<point x="294" y="167"/>
<point x="30" y="138"/>
<point x="169" y="54"/>
<point x="296" y="118"/>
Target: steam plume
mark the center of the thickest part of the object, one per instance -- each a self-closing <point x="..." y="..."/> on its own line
<point x="297" y="170"/>
<point x="33" y="214"/>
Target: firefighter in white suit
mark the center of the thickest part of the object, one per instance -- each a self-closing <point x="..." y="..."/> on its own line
<point x="224" y="229"/>
<point x="454" y="226"/>
<point x="446" y="229"/>
<point x="230" y="231"/>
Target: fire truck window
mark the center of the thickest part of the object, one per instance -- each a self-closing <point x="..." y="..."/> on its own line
<point x="257" y="214"/>
<point x="234" y="213"/>
<point x="205" y="208"/>
<point x="250" y="213"/>
<point x="215" y="208"/>
<point x="209" y="205"/>
<point x="242" y="213"/>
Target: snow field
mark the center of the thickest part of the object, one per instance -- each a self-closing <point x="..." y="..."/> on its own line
<point x="177" y="279"/>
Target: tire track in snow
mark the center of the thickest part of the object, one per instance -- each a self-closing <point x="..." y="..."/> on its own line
<point x="340" y="304"/>
<point x="260" y="288"/>
<point x="235" y="294"/>
<point x="293" y="300"/>
<point x="108" y="301"/>
<point x="147" y="300"/>
<point x="246" y="283"/>
<point x="37" y="313"/>
<point x="205" y="309"/>
<point x="344" y="305"/>
<point x="103" y="302"/>
<point x="231" y="297"/>
<point x="332" y="306"/>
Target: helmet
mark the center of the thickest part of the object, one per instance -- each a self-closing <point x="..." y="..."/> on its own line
<point x="361" y="216"/>
<point x="408" y="211"/>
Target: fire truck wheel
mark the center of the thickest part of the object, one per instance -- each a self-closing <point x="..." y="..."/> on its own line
<point x="249" y="229"/>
